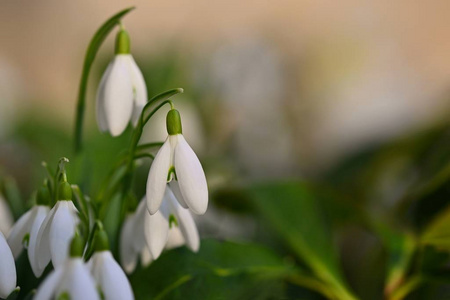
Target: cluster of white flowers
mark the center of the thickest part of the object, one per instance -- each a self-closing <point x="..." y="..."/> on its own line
<point x="176" y="186"/>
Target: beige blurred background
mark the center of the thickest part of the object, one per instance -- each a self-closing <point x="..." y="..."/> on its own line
<point x="304" y="82"/>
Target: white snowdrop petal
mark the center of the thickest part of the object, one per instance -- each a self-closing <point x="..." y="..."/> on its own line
<point x="109" y="276"/>
<point x="138" y="233"/>
<point x="18" y="232"/>
<point x="47" y="289"/>
<point x="191" y="177"/>
<point x="157" y="177"/>
<point x="78" y="282"/>
<point x="118" y="96"/>
<point x="100" y="103"/>
<point x="128" y="256"/>
<point x="7" y="269"/>
<point x="140" y="90"/>
<point x="176" y="238"/>
<point x="157" y="231"/>
<point x="186" y="224"/>
<point x="42" y="253"/>
<point x="6" y="218"/>
<point x="175" y="187"/>
<point x="61" y="232"/>
<point x="146" y="257"/>
<point x="41" y="213"/>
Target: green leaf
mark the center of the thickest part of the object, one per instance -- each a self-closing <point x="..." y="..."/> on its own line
<point x="437" y="233"/>
<point x="225" y="270"/>
<point x="293" y="210"/>
<point x="91" y="52"/>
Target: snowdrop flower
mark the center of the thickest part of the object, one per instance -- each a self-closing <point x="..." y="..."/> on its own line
<point x="176" y="160"/>
<point x="110" y="278"/>
<point x="171" y="215"/>
<point x="24" y="233"/>
<point x="7" y="269"/>
<point x="56" y="232"/>
<point x="134" y="239"/>
<point x="6" y="218"/>
<point x="71" y="280"/>
<point x="122" y="93"/>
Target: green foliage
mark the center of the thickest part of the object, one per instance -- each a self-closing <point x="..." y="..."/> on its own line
<point x="220" y="270"/>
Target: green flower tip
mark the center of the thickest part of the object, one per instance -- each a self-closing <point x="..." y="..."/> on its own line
<point x="101" y="241"/>
<point x="43" y="196"/>
<point x="64" y="191"/>
<point x="76" y="246"/>
<point x="173" y="122"/>
<point x="122" y="42"/>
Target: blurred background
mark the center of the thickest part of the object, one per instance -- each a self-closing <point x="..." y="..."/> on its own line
<point x="351" y="94"/>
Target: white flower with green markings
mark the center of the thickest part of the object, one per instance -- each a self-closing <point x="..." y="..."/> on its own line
<point x="56" y="231"/>
<point x="111" y="280"/>
<point x="24" y="233"/>
<point x="122" y="93"/>
<point x="176" y="164"/>
<point x="7" y="269"/>
<point x="72" y="280"/>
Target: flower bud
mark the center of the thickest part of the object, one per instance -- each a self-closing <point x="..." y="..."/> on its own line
<point x="173" y="122"/>
<point x="64" y="191"/>
<point x="101" y="241"/>
<point x="43" y="196"/>
<point x="122" y="42"/>
<point x="76" y="246"/>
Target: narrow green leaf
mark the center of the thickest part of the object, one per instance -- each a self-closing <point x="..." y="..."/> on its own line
<point x="12" y="194"/>
<point x="91" y="52"/>
<point x="292" y="209"/>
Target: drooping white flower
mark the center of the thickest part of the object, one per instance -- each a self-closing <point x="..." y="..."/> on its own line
<point x="6" y="218"/>
<point x="122" y="93"/>
<point x="7" y="269"/>
<point x="24" y="234"/>
<point x="71" y="280"/>
<point x="110" y="278"/>
<point x="134" y="241"/>
<point x="169" y="221"/>
<point x="56" y="231"/>
<point x="176" y="160"/>
<point x="25" y="230"/>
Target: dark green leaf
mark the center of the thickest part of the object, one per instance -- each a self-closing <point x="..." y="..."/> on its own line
<point x="293" y="210"/>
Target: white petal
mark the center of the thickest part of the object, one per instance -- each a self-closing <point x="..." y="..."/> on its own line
<point x="138" y="235"/>
<point x="18" y="232"/>
<point x="109" y="276"/>
<point x="42" y="254"/>
<point x="175" y="187"/>
<point x="176" y="238"/>
<point x="118" y="96"/>
<point x="140" y="90"/>
<point x="47" y="289"/>
<point x="41" y="213"/>
<point x="128" y="256"/>
<point x="6" y="218"/>
<point x="61" y="232"/>
<point x="146" y="257"/>
<point x="185" y="223"/>
<point x="77" y="281"/>
<point x="191" y="177"/>
<point x="7" y="269"/>
<point x="100" y="103"/>
<point x="157" y="177"/>
<point x="157" y="231"/>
